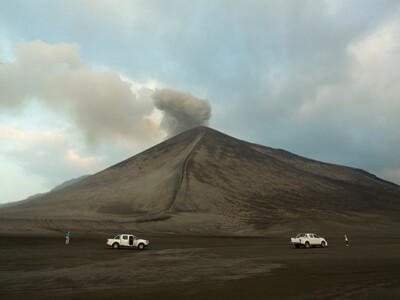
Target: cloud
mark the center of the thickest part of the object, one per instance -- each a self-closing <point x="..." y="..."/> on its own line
<point x="8" y="133"/>
<point x="318" y="78"/>
<point x="375" y="67"/>
<point x="182" y="110"/>
<point x="48" y="153"/>
<point x="37" y="160"/>
<point x="100" y="104"/>
<point x="343" y="109"/>
<point x="74" y="120"/>
<point x="16" y="183"/>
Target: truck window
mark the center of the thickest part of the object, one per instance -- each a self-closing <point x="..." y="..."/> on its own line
<point x="124" y="237"/>
<point x="117" y="237"/>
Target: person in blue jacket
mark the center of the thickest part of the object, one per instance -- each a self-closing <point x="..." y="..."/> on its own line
<point x="67" y="238"/>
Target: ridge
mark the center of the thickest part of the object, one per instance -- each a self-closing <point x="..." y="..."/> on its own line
<point x="203" y="131"/>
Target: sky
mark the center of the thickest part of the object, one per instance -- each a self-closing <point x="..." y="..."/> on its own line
<point x="86" y="84"/>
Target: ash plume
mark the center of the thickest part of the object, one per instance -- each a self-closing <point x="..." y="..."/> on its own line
<point x="181" y="110"/>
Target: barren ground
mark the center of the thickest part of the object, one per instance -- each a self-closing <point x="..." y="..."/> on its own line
<point x="39" y="265"/>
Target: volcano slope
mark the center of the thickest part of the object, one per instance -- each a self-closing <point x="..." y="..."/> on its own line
<point x="205" y="182"/>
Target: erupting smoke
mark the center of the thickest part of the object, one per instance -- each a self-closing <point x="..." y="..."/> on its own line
<point x="181" y="110"/>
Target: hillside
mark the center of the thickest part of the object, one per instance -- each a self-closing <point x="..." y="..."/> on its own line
<point x="203" y="181"/>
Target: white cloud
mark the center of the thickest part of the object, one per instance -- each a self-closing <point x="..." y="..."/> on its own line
<point x="376" y="72"/>
<point x="100" y="104"/>
<point x="77" y="161"/>
<point x="10" y="133"/>
<point x="376" y="57"/>
<point x="49" y="153"/>
<point x="16" y="183"/>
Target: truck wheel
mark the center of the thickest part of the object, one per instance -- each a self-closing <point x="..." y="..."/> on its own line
<point x="141" y="246"/>
<point x="323" y="244"/>
<point x="307" y="245"/>
<point x="297" y="245"/>
<point x="115" y="245"/>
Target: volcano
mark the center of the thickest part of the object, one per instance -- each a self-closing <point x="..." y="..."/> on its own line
<point x="206" y="182"/>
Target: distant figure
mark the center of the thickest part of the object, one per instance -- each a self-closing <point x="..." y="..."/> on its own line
<point x="346" y="241"/>
<point x="67" y="238"/>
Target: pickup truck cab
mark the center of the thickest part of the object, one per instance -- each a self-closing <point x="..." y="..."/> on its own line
<point x="127" y="240"/>
<point x="308" y="240"/>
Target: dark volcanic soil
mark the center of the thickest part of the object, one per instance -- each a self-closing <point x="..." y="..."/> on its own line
<point x="188" y="267"/>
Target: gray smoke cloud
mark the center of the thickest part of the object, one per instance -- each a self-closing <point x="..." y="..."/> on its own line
<point x="181" y="110"/>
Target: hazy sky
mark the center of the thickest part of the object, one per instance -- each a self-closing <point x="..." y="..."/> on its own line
<point x="86" y="84"/>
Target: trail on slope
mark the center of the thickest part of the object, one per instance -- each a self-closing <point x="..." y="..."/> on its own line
<point x="184" y="167"/>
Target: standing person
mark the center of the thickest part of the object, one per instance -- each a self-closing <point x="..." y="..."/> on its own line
<point x="346" y="241"/>
<point x="67" y="238"/>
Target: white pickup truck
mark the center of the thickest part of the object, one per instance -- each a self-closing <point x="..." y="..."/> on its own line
<point x="308" y="240"/>
<point x="127" y="240"/>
